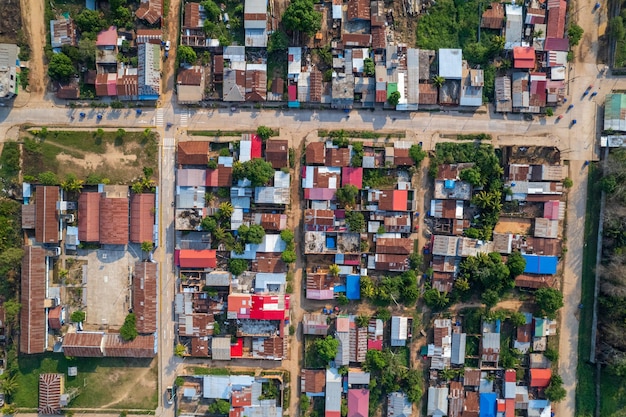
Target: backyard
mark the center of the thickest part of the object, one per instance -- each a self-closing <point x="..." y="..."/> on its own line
<point x="101" y="382"/>
<point x="116" y="155"/>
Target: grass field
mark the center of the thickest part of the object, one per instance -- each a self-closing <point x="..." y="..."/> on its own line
<point x="585" y="388"/>
<point x="101" y="382"/>
<point x="117" y="155"/>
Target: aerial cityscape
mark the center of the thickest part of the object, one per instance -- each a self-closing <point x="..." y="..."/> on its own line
<point x="341" y="208"/>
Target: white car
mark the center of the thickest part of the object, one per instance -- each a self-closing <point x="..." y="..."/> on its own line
<point x="170" y="395"/>
<point x="167" y="45"/>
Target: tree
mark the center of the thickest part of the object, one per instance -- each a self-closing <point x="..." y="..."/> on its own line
<point x="147" y="246"/>
<point x="326" y="348"/>
<point x="305" y="402"/>
<point x="334" y="270"/>
<point x="209" y="223"/>
<point x="355" y="221"/>
<point x="438" y="81"/>
<point x="518" y="319"/>
<point x="346" y="195"/>
<point x="383" y="314"/>
<point x="301" y="16"/>
<point x="549" y="300"/>
<point x="417" y="154"/>
<point x="257" y="170"/>
<point x="11" y="310"/>
<point x="9" y="384"/>
<point x="288" y="256"/>
<point x="490" y="298"/>
<point x="87" y="51"/>
<point x="48" y="178"/>
<point x="362" y="321"/>
<point x="251" y="234"/>
<point x="225" y="210"/>
<point x="264" y="132"/>
<point x="549" y="111"/>
<point x="123" y="17"/>
<point x="211" y="10"/>
<point x="516" y="263"/>
<point x="287" y="236"/>
<point x="394" y="98"/>
<point x="435" y="299"/>
<point x="551" y="354"/>
<point x="237" y="266"/>
<point x="78" y="316"/>
<point x="278" y="41"/>
<point x="220" y="407"/>
<point x="472" y="175"/>
<point x="555" y="391"/>
<point x="72" y="184"/>
<point x="186" y="54"/>
<point x="128" y="331"/>
<point x="369" y="68"/>
<point x="89" y="21"/>
<point x="61" y="67"/>
<point x="575" y="34"/>
<point x="568" y="183"/>
<point x="179" y="381"/>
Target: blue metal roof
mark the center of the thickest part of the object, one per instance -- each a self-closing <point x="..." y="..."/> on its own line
<point x="353" y="283"/>
<point x="488" y="404"/>
<point x="537" y="264"/>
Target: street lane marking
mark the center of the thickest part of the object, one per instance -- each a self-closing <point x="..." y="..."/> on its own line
<point x="168" y="143"/>
<point x="159" y="118"/>
<point x="184" y="118"/>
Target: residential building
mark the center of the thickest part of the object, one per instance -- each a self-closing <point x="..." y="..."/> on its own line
<point x="255" y="23"/>
<point x="62" y="32"/>
<point x="193" y="153"/>
<point x="399" y="330"/>
<point x="493" y="17"/>
<point x="190" y="84"/>
<point x="313" y="382"/>
<point x="142" y="210"/>
<point x="9" y="70"/>
<point x="333" y="393"/>
<point x="51" y="389"/>
<point x="150" y="10"/>
<point x="33" y="336"/>
<point x="277" y="153"/>
<point x="451" y="64"/>
<point x="614" y="111"/>
<point x="149" y="70"/>
<point x="540" y="378"/>
<point x="315" y="324"/>
<point x="145" y="296"/>
<point x="514" y="25"/>
<point x="437" y="405"/>
<point x="358" y="402"/>
<point x="398" y="405"/>
<point x="46" y="218"/>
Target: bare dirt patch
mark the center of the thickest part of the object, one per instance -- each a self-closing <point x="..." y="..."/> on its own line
<point x="33" y="24"/>
<point x="11" y="22"/>
<point x="517" y="226"/>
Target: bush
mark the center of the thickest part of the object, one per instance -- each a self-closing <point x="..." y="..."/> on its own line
<point x="288" y="256"/>
<point x="237" y="266"/>
<point x="568" y="183"/>
<point x="128" y="331"/>
<point x="77" y="316"/>
<point x="355" y="221"/>
<point x="287" y="236"/>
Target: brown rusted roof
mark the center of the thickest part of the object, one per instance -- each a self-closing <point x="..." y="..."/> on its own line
<point x="67" y="91"/>
<point x="401" y="157"/>
<point x="141" y="347"/>
<point x="338" y="157"/>
<point x="89" y="217"/>
<point x="199" y="347"/>
<point x="356" y="39"/>
<point x="277" y="153"/>
<point x="256" y="85"/>
<point x="144" y="296"/>
<point x="272" y="347"/>
<point x="190" y="76"/>
<point x="278" y="85"/>
<point x="359" y="10"/>
<point x="54" y="317"/>
<point x="443" y="281"/>
<point x="493" y="17"/>
<point x="33" y="290"/>
<point x="315" y="153"/>
<point x="315" y="86"/>
<point x="127" y="85"/>
<point x="28" y="216"/>
<point x="225" y="176"/>
<point x="50" y="390"/>
<point x="268" y="262"/>
<point x="471" y="403"/>
<point x="471" y="377"/>
<point x="378" y="18"/>
<point x="524" y="333"/>
<point x="192" y="15"/>
<point x="193" y="153"/>
<point x="141" y="217"/>
<point x="113" y="221"/>
<point x="535" y="281"/>
<point x="428" y="94"/>
<point x="273" y="222"/>
<point x="101" y="84"/>
<point x="314" y="380"/>
<point x="390" y="262"/>
<point x="397" y="246"/>
<point x="379" y="38"/>
<point x="46" y="224"/>
<point x="150" y="11"/>
<point x="543" y="246"/>
<point x="83" y="344"/>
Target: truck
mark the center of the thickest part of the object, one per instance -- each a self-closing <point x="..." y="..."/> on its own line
<point x="170" y="395"/>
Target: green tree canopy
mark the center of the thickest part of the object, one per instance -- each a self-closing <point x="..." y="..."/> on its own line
<point x="48" y="178"/>
<point x="61" y="67"/>
<point x="516" y="263"/>
<point x="326" y="348"/>
<point x="555" y="391"/>
<point x="346" y="195"/>
<point x="264" y="132"/>
<point x="417" y="154"/>
<point x="212" y="10"/>
<point x="220" y="407"/>
<point x="575" y="34"/>
<point x="490" y="298"/>
<point x="301" y="16"/>
<point x="78" y="316"/>
<point x="257" y="170"/>
<point x="355" y="221"/>
<point x="89" y="21"/>
<point x="128" y="331"/>
<point x="147" y="246"/>
<point x="549" y="301"/>
<point x="369" y="68"/>
<point x="471" y="175"/>
<point x="237" y="266"/>
<point x="186" y="54"/>
<point x="251" y="234"/>
<point x="394" y="98"/>
<point x="288" y="256"/>
<point x="435" y="299"/>
<point x="278" y="41"/>
<point x="287" y="236"/>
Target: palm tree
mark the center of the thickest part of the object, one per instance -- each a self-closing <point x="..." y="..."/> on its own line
<point x="334" y="270"/>
<point x="226" y="210"/>
<point x="9" y="385"/>
<point x="447" y="374"/>
<point x="72" y="184"/>
<point x="362" y="321"/>
<point x="147" y="246"/>
<point x="438" y="81"/>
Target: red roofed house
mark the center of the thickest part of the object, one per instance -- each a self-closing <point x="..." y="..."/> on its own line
<point x="141" y="217"/>
<point x="144" y="296"/>
<point x="150" y="11"/>
<point x="239" y="305"/>
<point x="192" y="258"/>
<point x="352" y="176"/>
<point x="315" y="153"/>
<point x="269" y="307"/>
<point x="393" y="200"/>
<point x="193" y="153"/>
<point x="540" y="378"/>
<point x="89" y="217"/>
<point x="220" y="177"/>
<point x="33" y="313"/>
<point x="107" y="38"/>
<point x="51" y="386"/>
<point x="551" y="210"/>
<point x="46" y="223"/>
<point x="524" y="57"/>
<point x="113" y="220"/>
<point x="557" y="10"/>
<point x="358" y="402"/>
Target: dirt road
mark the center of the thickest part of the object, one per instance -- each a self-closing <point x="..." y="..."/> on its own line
<point x="33" y="20"/>
<point x="171" y="34"/>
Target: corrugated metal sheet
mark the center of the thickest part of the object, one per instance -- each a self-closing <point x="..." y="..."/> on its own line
<point x="46" y="224"/>
<point x="141" y="347"/>
<point x="144" y="296"/>
<point x="114" y="221"/>
<point x="33" y="290"/>
<point x="142" y="217"/>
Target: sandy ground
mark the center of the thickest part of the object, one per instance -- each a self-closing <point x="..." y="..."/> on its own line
<point x="517" y="226"/>
<point x="92" y="161"/>
<point x="32" y="18"/>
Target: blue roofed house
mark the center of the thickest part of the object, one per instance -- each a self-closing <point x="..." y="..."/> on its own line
<point x="333" y="393"/>
<point x="539" y="264"/>
<point x="353" y="287"/>
<point x="458" y="348"/>
<point x="488" y="404"/>
<point x="398" y="405"/>
<point x="255" y="23"/>
<point x="399" y="330"/>
<point x="438" y="402"/>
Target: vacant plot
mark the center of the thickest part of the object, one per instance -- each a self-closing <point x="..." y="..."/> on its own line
<point x="101" y="382"/>
<point x="11" y="21"/>
<point x="108" y="288"/>
<point x="517" y="226"/>
<point x="118" y="156"/>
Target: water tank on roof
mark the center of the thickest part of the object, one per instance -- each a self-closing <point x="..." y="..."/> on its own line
<point x="449" y="184"/>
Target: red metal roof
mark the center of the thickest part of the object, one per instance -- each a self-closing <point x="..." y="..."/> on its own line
<point x="46" y="224"/>
<point x="107" y="37"/>
<point x="54" y="317"/>
<point x="551" y="210"/>
<point x="374" y="345"/>
<point x="141" y="217"/>
<point x="556" y="20"/>
<point x="509" y="407"/>
<point x="113" y="221"/>
<point x="292" y="92"/>
<point x="144" y="296"/>
<point x="269" y="307"/>
<point x="358" y="402"/>
<point x="257" y="143"/>
<point x="193" y="153"/>
<point x="33" y="315"/>
<point x="352" y="176"/>
<point x="540" y="377"/>
<point x="524" y="57"/>
<point x="236" y="350"/>
<point x="89" y="217"/>
<point x="510" y="375"/>
<point x="192" y="258"/>
<point x="239" y="306"/>
<point x="393" y="200"/>
<point x="50" y="389"/>
<point x="83" y="344"/>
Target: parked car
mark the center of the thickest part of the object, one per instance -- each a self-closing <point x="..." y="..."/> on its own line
<point x="170" y="395"/>
<point x="167" y="45"/>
